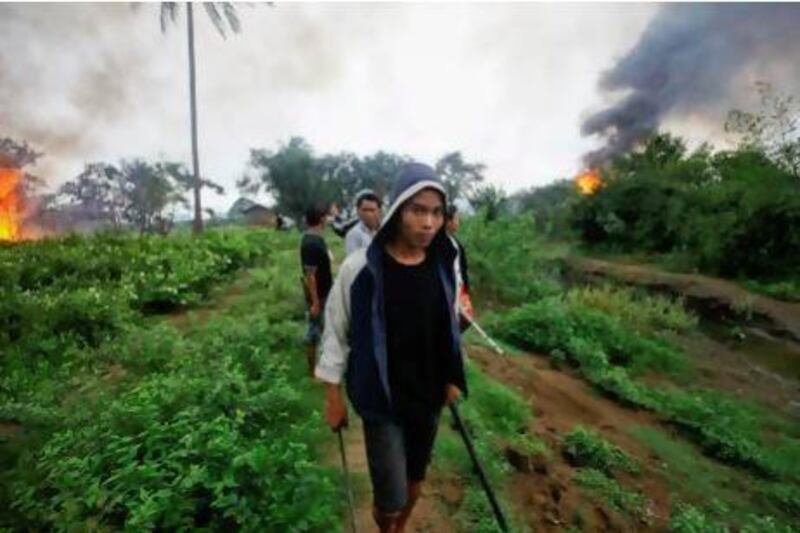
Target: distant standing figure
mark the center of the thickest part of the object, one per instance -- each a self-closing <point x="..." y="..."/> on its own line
<point x="317" y="279"/>
<point x="368" y="208"/>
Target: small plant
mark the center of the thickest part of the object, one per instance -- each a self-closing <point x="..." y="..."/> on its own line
<point x="584" y="447"/>
<point x="627" y="501"/>
<point x="558" y="359"/>
<point x="690" y="519"/>
<point x="646" y="313"/>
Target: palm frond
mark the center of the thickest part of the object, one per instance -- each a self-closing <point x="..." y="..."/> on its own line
<point x="216" y="17"/>
<point x="233" y="18"/>
<point x="169" y="12"/>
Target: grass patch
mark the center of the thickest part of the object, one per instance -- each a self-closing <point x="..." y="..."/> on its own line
<point x="495" y="417"/>
<point x="691" y="519"/>
<point x="584" y="447"/>
<point x="609" y="355"/>
<point x="692" y="477"/>
<point x="643" y="312"/>
<point x="629" y="502"/>
<point x="509" y="262"/>
<point x="787" y="290"/>
<point x="588" y="336"/>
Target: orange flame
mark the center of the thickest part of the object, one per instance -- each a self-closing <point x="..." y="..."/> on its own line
<point x="10" y="204"/>
<point x="588" y="182"/>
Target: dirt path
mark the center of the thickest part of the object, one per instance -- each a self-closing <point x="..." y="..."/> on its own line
<point x="706" y="293"/>
<point x="544" y="493"/>
<point x="430" y="513"/>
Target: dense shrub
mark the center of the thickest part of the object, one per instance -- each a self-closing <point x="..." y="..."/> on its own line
<point x="609" y="355"/>
<point x="154" y="428"/>
<point x="726" y="213"/>
<point x="584" y="447"/>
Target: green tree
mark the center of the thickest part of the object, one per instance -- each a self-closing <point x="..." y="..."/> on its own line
<point x="773" y="129"/>
<point x="294" y="177"/>
<point x="341" y="171"/>
<point x="98" y="191"/>
<point x="490" y="200"/>
<point x="21" y="155"/>
<point x="658" y="151"/>
<point x="135" y="192"/>
<point x="185" y="179"/>
<point x="147" y="190"/>
<point x="550" y="205"/>
<point x="377" y="171"/>
<point x="459" y="177"/>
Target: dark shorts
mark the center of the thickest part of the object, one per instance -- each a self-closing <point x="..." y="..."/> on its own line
<point x="398" y="453"/>
<point x="314" y="331"/>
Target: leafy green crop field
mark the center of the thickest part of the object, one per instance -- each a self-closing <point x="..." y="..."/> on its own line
<point x="158" y="383"/>
<point x="115" y="417"/>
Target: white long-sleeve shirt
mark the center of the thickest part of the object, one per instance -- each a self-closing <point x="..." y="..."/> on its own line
<point x="359" y="236"/>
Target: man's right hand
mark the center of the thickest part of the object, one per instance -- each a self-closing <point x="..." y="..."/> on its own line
<point x="314" y="310"/>
<point x="335" y="408"/>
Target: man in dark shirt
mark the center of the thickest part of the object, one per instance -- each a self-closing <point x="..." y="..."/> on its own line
<point x="416" y="335"/>
<point x="391" y="331"/>
<point x="317" y="280"/>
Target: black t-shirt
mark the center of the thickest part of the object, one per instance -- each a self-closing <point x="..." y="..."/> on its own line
<point x="314" y="254"/>
<point x="417" y="333"/>
<point x="462" y="263"/>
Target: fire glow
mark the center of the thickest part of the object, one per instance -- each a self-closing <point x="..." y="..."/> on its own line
<point x="588" y="182"/>
<point x="10" y="204"/>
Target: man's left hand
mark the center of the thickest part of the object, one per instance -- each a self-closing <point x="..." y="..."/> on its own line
<point x="453" y="394"/>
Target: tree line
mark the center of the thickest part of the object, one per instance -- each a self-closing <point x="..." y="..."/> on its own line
<point x="140" y="194"/>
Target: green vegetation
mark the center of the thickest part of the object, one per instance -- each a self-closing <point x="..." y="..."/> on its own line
<point x="153" y="427"/>
<point x="297" y="176"/>
<point x="726" y="211"/>
<point x="584" y="447"/>
<point x="693" y="478"/>
<point x="508" y="263"/>
<point x="721" y="212"/>
<point x="690" y="519"/>
<point x="127" y="401"/>
<point x="60" y="298"/>
<point x="610" y="356"/>
<point x="643" y="312"/>
<point x="592" y="339"/>
<point x="617" y="339"/>
<point x="496" y="417"/>
<point x="788" y="289"/>
<point x="599" y="462"/>
<point x="610" y="490"/>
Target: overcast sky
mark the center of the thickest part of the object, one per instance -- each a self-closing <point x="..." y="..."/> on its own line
<point x="507" y="84"/>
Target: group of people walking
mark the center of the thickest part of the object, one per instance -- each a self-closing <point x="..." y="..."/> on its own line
<point x="388" y="329"/>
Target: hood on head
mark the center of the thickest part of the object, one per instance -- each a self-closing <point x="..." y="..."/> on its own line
<point x="412" y="178"/>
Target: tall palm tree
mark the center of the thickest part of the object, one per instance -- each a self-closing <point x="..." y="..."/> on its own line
<point x="222" y="15"/>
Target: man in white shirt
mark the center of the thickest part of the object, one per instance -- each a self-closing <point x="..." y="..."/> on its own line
<point x="368" y="208"/>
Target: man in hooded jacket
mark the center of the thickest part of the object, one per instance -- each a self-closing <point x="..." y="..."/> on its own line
<point x="392" y="335"/>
